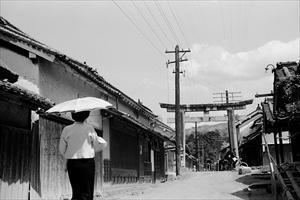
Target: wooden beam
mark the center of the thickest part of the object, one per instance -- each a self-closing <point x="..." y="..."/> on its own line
<point x="189" y="119"/>
<point x="294" y="183"/>
<point x="264" y="95"/>
<point x="208" y="107"/>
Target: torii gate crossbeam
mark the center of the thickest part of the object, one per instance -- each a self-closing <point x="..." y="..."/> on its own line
<point x="208" y="107"/>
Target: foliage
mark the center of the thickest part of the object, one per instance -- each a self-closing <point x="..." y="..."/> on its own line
<point x="210" y="141"/>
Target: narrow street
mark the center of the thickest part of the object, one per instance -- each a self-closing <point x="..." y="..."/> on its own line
<point x="143" y="100"/>
<point x="202" y="185"/>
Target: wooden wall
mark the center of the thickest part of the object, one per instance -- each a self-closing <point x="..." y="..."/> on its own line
<point x="159" y="161"/>
<point x="54" y="179"/>
<point x="15" y="139"/>
<point x="14" y="164"/>
<point x="124" y="150"/>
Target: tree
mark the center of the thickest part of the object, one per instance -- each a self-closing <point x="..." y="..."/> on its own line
<point x="211" y="141"/>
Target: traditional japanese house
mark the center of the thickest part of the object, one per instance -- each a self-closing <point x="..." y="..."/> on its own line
<point x="281" y="114"/>
<point x="135" y="136"/>
<point x="19" y="149"/>
<point x="282" y="117"/>
<point x="252" y="143"/>
<point x="250" y="138"/>
<point x="287" y="103"/>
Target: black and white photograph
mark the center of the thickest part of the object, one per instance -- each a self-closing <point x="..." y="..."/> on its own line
<point x="149" y="99"/>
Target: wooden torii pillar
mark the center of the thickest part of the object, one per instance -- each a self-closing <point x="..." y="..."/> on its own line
<point x="206" y="108"/>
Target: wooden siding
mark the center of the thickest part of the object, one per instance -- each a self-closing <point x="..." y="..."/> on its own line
<point x="147" y="168"/>
<point x="14" y="165"/>
<point x="159" y="162"/>
<point x="99" y="169"/>
<point x="141" y="158"/>
<point x="54" y="180"/>
<point x="35" y="175"/>
<point x="107" y="170"/>
<point x="124" y="150"/>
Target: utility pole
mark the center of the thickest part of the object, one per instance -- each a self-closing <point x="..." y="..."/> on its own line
<point x="182" y="120"/>
<point x="197" y="147"/>
<point x="178" y="128"/>
<point x="230" y="123"/>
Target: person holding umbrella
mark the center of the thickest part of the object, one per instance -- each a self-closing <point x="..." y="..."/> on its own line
<point x="78" y="144"/>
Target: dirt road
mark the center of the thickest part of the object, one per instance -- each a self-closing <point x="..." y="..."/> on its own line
<point x="225" y="185"/>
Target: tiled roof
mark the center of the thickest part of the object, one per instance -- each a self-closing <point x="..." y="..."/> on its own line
<point x="252" y="132"/>
<point x="26" y="95"/>
<point x="249" y="125"/>
<point x="9" y="30"/>
<point x="249" y="117"/>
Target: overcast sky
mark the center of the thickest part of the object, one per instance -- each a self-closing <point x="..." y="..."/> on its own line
<point x="231" y="43"/>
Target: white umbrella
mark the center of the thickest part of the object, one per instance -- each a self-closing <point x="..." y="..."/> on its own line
<point x="80" y="104"/>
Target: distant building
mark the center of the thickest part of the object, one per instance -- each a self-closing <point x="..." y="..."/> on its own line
<point x="252" y="144"/>
<point x="249" y="133"/>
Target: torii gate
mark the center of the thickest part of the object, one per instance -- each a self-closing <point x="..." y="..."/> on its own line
<point x="206" y="108"/>
<point x="195" y="120"/>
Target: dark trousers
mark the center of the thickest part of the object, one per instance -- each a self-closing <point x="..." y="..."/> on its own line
<point x="81" y="174"/>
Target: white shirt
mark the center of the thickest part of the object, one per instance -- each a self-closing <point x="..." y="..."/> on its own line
<point x="80" y="140"/>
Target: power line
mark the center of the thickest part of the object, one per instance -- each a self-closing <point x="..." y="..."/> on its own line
<point x="136" y="26"/>
<point x="178" y="24"/>
<point x="157" y="23"/>
<point x="205" y="83"/>
<point x="151" y="28"/>
<point x="231" y="24"/>
<point x="222" y="19"/>
<point x="166" y="20"/>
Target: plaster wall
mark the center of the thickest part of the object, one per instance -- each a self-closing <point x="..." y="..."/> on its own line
<point x="122" y="107"/>
<point x="60" y="83"/>
<point x="21" y="65"/>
